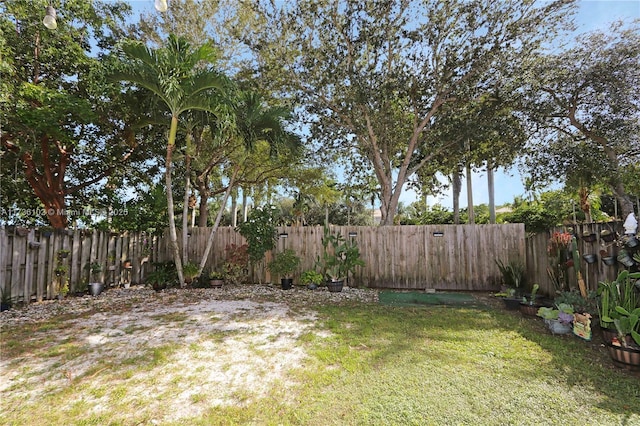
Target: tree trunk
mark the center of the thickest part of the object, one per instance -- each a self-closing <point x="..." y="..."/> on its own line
<point x="472" y="217"/>
<point x="491" y="188"/>
<point x="234" y="209"/>
<point x="185" y="209"/>
<point x="626" y="205"/>
<point x="456" y="183"/>
<point x="203" y="208"/>
<point x="173" y="235"/>
<point x="245" y="207"/>
<point x="583" y="194"/>
<point x="207" y="250"/>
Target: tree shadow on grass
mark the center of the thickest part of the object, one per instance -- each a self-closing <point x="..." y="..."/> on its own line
<point x="520" y="348"/>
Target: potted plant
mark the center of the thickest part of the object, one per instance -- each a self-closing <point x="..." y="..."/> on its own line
<point x="607" y="236"/>
<point x="528" y="304"/>
<point x="95" y="286"/>
<point x="60" y="270"/>
<point x="6" y="301"/>
<point x="46" y="231"/>
<point x="283" y="264"/>
<point x="606" y="258"/>
<point x="512" y="278"/>
<point x="620" y="293"/>
<point x="163" y="274"/>
<point x="625" y="258"/>
<point x="624" y="349"/>
<point x="339" y="260"/>
<point x="580" y="304"/>
<point x="216" y="278"/>
<point x="558" y="319"/>
<point x="63" y="254"/>
<point x="190" y="271"/>
<point x="311" y="278"/>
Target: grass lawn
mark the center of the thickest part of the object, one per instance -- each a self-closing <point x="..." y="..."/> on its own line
<point x="356" y="364"/>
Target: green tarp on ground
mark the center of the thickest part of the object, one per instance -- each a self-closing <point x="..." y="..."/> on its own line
<point x="416" y="298"/>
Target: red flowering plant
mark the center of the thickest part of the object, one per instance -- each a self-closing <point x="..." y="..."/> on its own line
<point x="558" y="250"/>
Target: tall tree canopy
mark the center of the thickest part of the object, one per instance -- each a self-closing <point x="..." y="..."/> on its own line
<point x="586" y="104"/>
<point x="373" y="75"/>
<point x="61" y="127"/>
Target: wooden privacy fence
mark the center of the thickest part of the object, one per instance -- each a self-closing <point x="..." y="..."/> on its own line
<point x="29" y="257"/>
<point x="444" y="257"/>
<point x="538" y="259"/>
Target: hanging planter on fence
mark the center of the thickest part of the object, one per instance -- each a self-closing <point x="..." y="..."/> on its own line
<point x="607" y="236"/>
<point x="632" y="241"/>
<point x="34" y="244"/>
<point x="625" y="259"/>
<point x="590" y="258"/>
<point x="22" y="231"/>
<point x="609" y="260"/>
<point x="588" y="237"/>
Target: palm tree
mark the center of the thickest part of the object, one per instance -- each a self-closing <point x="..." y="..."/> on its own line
<point x="254" y="122"/>
<point x="182" y="77"/>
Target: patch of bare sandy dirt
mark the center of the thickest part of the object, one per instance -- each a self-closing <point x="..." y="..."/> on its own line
<point x="172" y="354"/>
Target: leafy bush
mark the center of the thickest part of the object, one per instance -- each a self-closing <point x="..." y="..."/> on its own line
<point x="260" y="232"/>
<point x="235" y="264"/>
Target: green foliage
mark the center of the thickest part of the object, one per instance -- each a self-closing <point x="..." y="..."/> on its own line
<point x="575" y="299"/>
<point x="621" y="293"/>
<point x="190" y="269"/>
<point x="531" y="300"/>
<point x="284" y="263"/>
<point x="163" y="275"/>
<point x="436" y="215"/>
<point x="534" y="216"/>
<point x="628" y="322"/>
<point x="260" y="231"/>
<point x="339" y="258"/>
<point x="369" y="88"/>
<point x="311" y="276"/>
<point x="592" y="147"/>
<point x="146" y="212"/>
<point x="62" y="122"/>
<point x="235" y="263"/>
<point x="513" y="273"/>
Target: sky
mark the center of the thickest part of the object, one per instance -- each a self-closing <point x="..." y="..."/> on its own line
<point x="592" y="15"/>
